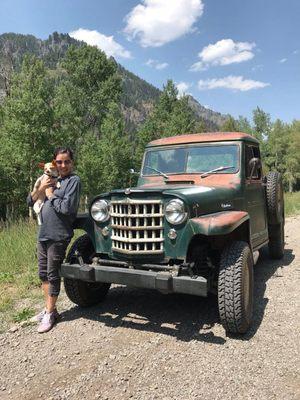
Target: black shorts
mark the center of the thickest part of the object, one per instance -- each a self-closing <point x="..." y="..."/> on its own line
<point x="50" y="257"/>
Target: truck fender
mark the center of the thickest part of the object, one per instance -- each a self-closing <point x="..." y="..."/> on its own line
<point x="220" y="223"/>
<point x="85" y="222"/>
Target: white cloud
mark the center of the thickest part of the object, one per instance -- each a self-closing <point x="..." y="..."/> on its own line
<point x="162" y="66"/>
<point x="156" y="64"/>
<point x="223" y="52"/>
<point x="283" y="60"/>
<point x="156" y="22"/>
<point x="182" y="88"/>
<point x="103" y="42"/>
<point x="258" y="67"/>
<point x="295" y="51"/>
<point x="231" y="82"/>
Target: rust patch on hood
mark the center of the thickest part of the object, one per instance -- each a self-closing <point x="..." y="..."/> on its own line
<point x="202" y="137"/>
<point x="229" y="181"/>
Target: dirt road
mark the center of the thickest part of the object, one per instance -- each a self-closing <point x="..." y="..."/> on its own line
<point x="145" y="345"/>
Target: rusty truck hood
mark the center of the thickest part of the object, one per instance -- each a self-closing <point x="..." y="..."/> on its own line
<point x="204" y="195"/>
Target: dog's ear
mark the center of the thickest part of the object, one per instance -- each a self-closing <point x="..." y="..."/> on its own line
<point x="41" y="165"/>
<point x="53" y="163"/>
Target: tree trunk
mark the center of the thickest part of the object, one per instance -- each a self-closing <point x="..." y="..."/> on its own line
<point x="9" y="212"/>
<point x="30" y="211"/>
<point x="86" y="202"/>
<point x="290" y="186"/>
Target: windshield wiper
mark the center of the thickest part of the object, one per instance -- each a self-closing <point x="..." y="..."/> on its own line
<point x="156" y="170"/>
<point x="205" y="174"/>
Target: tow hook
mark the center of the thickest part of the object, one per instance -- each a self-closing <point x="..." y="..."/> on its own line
<point x="79" y="258"/>
<point x="189" y="267"/>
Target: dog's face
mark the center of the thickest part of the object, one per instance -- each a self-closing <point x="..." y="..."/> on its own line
<point x="50" y="170"/>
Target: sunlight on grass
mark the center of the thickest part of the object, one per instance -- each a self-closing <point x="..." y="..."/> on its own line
<point x="19" y="282"/>
<point x="292" y="203"/>
<point x="23" y="315"/>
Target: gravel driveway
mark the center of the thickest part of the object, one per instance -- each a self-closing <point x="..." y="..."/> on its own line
<point x="145" y="345"/>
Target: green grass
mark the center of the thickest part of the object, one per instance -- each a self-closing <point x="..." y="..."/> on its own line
<point x="23" y="315"/>
<point x="18" y="255"/>
<point x="292" y="203"/>
<point x="18" y="271"/>
<point x="20" y="291"/>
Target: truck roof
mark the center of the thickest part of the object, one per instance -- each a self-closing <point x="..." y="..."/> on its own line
<point x="202" y="138"/>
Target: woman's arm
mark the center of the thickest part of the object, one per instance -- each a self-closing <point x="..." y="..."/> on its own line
<point x="39" y="188"/>
<point x="70" y="202"/>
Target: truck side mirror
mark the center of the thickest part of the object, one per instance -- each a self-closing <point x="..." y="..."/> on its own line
<point x="133" y="172"/>
<point x="255" y="165"/>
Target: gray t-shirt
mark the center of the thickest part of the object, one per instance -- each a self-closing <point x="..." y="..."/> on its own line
<point x="59" y="213"/>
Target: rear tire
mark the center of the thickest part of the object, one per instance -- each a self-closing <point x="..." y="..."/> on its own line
<point x="235" y="287"/>
<point x="275" y="200"/>
<point x="275" y="208"/>
<point x="82" y="293"/>
<point x="276" y="241"/>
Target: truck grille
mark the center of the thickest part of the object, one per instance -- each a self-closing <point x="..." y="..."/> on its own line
<point x="137" y="226"/>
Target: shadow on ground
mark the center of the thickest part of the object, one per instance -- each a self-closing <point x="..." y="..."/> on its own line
<point x="184" y="317"/>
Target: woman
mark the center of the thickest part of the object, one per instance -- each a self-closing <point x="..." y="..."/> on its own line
<point x="57" y="216"/>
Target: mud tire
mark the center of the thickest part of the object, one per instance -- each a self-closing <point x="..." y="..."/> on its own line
<point x="235" y="287"/>
<point x="275" y="200"/>
<point x="276" y="241"/>
<point x="275" y="209"/>
<point x="84" y="294"/>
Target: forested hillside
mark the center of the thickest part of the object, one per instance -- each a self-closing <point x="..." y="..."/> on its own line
<point x="138" y="96"/>
<point x="62" y="92"/>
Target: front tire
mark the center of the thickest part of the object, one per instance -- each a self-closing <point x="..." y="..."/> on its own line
<point x="235" y="287"/>
<point x="84" y="294"/>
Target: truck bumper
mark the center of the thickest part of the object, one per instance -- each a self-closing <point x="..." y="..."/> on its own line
<point x="162" y="281"/>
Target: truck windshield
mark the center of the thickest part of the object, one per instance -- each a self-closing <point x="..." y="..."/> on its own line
<point x="192" y="159"/>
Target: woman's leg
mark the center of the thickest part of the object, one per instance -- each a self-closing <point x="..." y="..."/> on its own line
<point x="56" y="254"/>
<point x="42" y="250"/>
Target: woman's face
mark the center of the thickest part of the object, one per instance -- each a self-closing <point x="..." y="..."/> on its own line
<point x="64" y="164"/>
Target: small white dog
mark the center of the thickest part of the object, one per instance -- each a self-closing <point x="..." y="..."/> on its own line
<point x="50" y="171"/>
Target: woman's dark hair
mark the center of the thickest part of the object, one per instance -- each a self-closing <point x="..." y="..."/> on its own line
<point x="62" y="150"/>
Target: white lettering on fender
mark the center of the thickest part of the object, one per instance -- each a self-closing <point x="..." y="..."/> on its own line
<point x="226" y="205"/>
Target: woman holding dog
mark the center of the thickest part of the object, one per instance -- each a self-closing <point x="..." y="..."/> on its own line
<point x="57" y="216"/>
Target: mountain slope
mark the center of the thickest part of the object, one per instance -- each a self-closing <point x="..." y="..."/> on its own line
<point x="138" y="97"/>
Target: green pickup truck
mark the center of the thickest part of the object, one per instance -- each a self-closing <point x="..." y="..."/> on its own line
<point x="194" y="223"/>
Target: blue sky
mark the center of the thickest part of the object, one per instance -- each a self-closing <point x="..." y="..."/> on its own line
<point x="230" y="55"/>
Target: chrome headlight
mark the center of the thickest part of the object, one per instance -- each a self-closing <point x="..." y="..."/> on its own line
<point x="100" y="210"/>
<point x="175" y="212"/>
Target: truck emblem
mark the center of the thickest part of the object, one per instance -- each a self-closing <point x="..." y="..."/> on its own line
<point x="127" y="191"/>
<point x="226" y="205"/>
